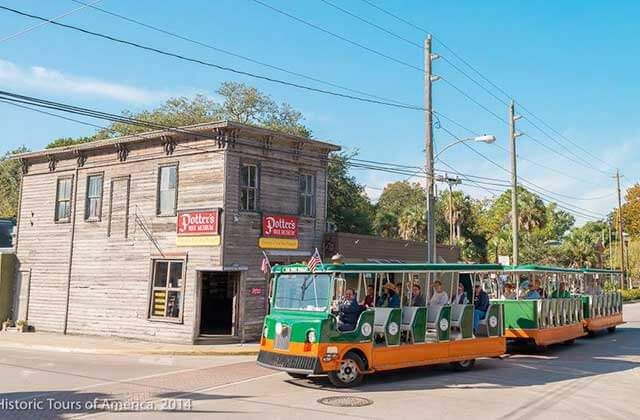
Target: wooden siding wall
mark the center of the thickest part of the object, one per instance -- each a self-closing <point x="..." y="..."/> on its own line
<point x="109" y="288"/>
<point x="278" y="190"/>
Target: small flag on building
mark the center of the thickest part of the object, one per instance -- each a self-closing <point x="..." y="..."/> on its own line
<point x="314" y="261"/>
<point x="265" y="267"/>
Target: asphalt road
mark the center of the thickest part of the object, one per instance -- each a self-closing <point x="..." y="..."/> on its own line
<point x="594" y="378"/>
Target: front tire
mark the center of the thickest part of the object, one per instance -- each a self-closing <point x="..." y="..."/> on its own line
<point x="350" y="372"/>
<point x="463" y="365"/>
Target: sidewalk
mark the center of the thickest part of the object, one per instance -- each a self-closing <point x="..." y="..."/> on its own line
<point x="114" y="345"/>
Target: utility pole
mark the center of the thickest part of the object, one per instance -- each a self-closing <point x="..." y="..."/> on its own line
<point x="610" y="245"/>
<point x="514" y="182"/>
<point x="620" y="237"/>
<point x="431" y="235"/>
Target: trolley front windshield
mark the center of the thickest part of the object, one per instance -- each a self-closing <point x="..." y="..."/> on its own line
<point x="302" y="292"/>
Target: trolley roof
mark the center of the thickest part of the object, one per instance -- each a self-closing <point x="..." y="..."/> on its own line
<point x="601" y="271"/>
<point x="543" y="268"/>
<point x="386" y="268"/>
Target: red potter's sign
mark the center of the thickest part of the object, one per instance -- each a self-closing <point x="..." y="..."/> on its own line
<point x="279" y="226"/>
<point x="204" y="222"/>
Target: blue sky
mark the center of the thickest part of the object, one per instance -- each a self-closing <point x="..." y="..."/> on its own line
<point x="571" y="63"/>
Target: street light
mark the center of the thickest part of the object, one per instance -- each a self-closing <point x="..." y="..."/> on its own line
<point x="488" y="139"/>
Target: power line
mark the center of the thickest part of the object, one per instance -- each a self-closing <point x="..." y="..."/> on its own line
<point x="36" y="26"/>
<point x="423" y="30"/>
<point x="240" y="56"/>
<point x="338" y="36"/>
<point x="216" y="66"/>
<point x="9" y="97"/>
<point x="371" y="50"/>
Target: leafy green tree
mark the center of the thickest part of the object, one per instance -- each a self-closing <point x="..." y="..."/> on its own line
<point x="580" y="248"/>
<point x="631" y="212"/>
<point x="69" y="141"/>
<point x="348" y="206"/>
<point x="240" y="103"/>
<point x="412" y="223"/>
<point x="10" y="176"/>
<point x="399" y="195"/>
<point x="386" y="224"/>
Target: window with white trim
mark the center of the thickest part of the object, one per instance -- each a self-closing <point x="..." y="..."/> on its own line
<point x="93" y="203"/>
<point x="167" y="190"/>
<point x="63" y="199"/>
<point x="166" y="289"/>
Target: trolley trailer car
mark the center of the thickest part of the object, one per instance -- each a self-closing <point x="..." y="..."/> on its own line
<point x="600" y="308"/>
<point x="542" y="313"/>
<point x="301" y="334"/>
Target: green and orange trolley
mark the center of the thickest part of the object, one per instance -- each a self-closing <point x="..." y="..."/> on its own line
<point x="301" y="336"/>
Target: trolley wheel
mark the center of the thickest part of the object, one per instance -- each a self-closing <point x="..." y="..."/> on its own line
<point x="463" y="365"/>
<point x="612" y="329"/>
<point x="569" y="342"/>
<point x="297" y="375"/>
<point x="350" y="372"/>
<point x="591" y="333"/>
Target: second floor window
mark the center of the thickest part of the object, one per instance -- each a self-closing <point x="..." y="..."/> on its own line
<point x="63" y="200"/>
<point x="93" y="206"/>
<point x="249" y="187"/>
<point x="167" y="190"/>
<point x="307" y="195"/>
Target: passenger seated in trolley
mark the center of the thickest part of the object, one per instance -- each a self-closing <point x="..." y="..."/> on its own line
<point x="509" y="292"/>
<point x="461" y="296"/>
<point x="480" y="305"/>
<point x="439" y="296"/>
<point x="348" y="311"/>
<point x="390" y="298"/>
<point x="562" y="292"/>
<point x="532" y="292"/>
<point x="370" y="298"/>
<point x="417" y="298"/>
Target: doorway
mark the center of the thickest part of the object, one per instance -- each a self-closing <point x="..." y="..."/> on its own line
<point x="218" y="302"/>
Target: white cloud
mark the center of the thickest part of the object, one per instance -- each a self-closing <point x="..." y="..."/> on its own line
<point x="43" y="79"/>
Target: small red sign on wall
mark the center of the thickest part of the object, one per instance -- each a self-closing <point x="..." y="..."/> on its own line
<point x="256" y="291"/>
<point x="200" y="222"/>
<point x="279" y="226"/>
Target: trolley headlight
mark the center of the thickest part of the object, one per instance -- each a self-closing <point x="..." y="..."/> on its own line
<point x="311" y="336"/>
<point x="279" y="328"/>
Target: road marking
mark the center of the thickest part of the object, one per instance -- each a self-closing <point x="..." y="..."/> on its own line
<point x="109" y="382"/>
<point x="185" y="394"/>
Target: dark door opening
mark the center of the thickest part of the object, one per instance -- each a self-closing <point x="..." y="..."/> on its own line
<point x="217" y="309"/>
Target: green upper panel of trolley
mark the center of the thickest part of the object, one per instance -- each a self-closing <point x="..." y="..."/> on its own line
<point x="386" y="268"/>
<point x="543" y="268"/>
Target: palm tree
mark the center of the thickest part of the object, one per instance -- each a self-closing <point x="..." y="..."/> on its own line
<point x="412" y="224"/>
<point x="386" y="224"/>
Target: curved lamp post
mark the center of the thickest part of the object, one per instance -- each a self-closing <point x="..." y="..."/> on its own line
<point x="479" y="139"/>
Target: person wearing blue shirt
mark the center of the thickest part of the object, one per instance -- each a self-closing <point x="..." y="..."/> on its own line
<point x="390" y="299"/>
<point x="480" y="305"/>
<point x="532" y="293"/>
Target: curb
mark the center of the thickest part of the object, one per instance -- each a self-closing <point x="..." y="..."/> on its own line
<point x="62" y="349"/>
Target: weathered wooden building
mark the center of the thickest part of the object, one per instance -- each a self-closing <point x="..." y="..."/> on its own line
<point x="160" y="236"/>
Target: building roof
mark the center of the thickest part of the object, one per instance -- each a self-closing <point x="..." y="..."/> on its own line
<point x="195" y="128"/>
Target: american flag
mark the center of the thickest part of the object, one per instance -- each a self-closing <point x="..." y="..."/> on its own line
<point x="314" y="261"/>
<point x="265" y="267"/>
